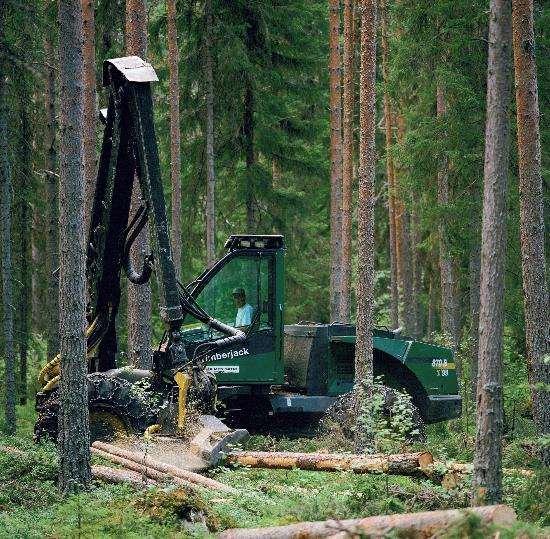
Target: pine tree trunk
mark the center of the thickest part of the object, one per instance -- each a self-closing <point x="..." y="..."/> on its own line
<point x="175" y="134"/>
<point x="90" y="107"/>
<point x="250" y="157"/>
<point x="139" y="296"/>
<point x="535" y="290"/>
<point x="417" y="273"/>
<point x="403" y="250"/>
<point x="7" y="277"/>
<point x="347" y="160"/>
<point x="449" y="308"/>
<point x="432" y="301"/>
<point x="474" y="269"/>
<point x="74" y="428"/>
<point x="52" y="196"/>
<point x="25" y="218"/>
<point x="365" y="215"/>
<point x="210" y="163"/>
<point x="487" y="477"/>
<point x="390" y="171"/>
<point x="335" y="68"/>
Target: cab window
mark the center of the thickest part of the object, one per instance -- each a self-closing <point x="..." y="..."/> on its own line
<point x="239" y="294"/>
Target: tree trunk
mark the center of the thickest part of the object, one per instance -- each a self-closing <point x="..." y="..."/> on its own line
<point x="347" y="160"/>
<point x="7" y="277"/>
<point x="139" y="296"/>
<point x="403" y="250"/>
<point x="112" y="475"/>
<point x="52" y="196"/>
<point x="175" y="471"/>
<point x="25" y="219"/>
<point x="432" y="301"/>
<point x="250" y="157"/>
<point x="210" y="169"/>
<point x="390" y="171"/>
<point x="449" y="308"/>
<point x="90" y="108"/>
<point x="175" y="134"/>
<point x="398" y="464"/>
<point x="487" y="478"/>
<point x="74" y="428"/>
<point x="417" y="273"/>
<point x="426" y="524"/>
<point x="474" y="269"/>
<point x="365" y="214"/>
<point x="335" y="67"/>
<point x="535" y="290"/>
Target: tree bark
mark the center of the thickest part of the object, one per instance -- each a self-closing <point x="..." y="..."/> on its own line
<point x="250" y="156"/>
<point x="347" y="159"/>
<point x="74" y="428"/>
<point x="399" y="464"/>
<point x="175" y="134"/>
<point x="210" y="162"/>
<point x="535" y="290"/>
<point x="365" y="215"/>
<point x="390" y="171"/>
<point x="139" y="296"/>
<point x="112" y="475"/>
<point x="426" y="524"/>
<point x="25" y="219"/>
<point x="335" y="67"/>
<point x="432" y="302"/>
<point x="474" y="269"/>
<point x="90" y="108"/>
<point x="7" y="270"/>
<point x="449" y="310"/>
<point x="487" y="478"/>
<point x="175" y="471"/>
<point x="52" y="195"/>
<point x="417" y="273"/>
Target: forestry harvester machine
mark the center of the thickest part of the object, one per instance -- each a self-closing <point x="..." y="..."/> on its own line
<point x="224" y="336"/>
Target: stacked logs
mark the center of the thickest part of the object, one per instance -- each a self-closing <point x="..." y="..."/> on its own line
<point x="159" y="471"/>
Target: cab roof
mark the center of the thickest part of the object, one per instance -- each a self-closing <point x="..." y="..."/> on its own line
<point x="255" y="241"/>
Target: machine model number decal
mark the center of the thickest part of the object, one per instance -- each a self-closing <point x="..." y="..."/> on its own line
<point x="225" y="369"/>
<point x="442" y="366"/>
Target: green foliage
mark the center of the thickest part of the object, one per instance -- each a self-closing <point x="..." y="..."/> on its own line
<point x="384" y="429"/>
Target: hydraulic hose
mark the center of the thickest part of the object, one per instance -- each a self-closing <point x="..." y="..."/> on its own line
<point x="235" y="335"/>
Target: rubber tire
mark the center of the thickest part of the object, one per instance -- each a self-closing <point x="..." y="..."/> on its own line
<point x="105" y="394"/>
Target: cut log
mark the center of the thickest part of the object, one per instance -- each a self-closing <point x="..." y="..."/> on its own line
<point x="399" y="464"/>
<point x="113" y="475"/>
<point x="174" y="471"/>
<point x="142" y="469"/>
<point x="418" y="525"/>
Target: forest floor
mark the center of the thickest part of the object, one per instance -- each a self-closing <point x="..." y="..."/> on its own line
<point x="31" y="507"/>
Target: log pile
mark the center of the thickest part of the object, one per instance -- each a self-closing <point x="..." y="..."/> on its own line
<point x="399" y="464"/>
<point x="154" y="469"/>
<point x="114" y="475"/>
<point x="418" y="525"/>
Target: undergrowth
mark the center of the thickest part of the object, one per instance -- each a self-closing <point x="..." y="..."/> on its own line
<point x="31" y="506"/>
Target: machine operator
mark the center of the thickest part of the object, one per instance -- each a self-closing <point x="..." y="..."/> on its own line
<point x="244" y="309"/>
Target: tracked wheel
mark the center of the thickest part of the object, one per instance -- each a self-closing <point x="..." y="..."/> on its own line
<point x="117" y="408"/>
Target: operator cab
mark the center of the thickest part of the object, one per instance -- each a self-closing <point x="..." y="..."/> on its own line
<point x="244" y="288"/>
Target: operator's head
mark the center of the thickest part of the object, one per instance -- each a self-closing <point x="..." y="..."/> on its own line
<point x="239" y="296"/>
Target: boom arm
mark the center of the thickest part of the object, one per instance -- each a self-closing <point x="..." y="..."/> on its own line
<point x="130" y="151"/>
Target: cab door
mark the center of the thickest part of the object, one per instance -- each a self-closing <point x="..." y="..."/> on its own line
<point x="255" y="361"/>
